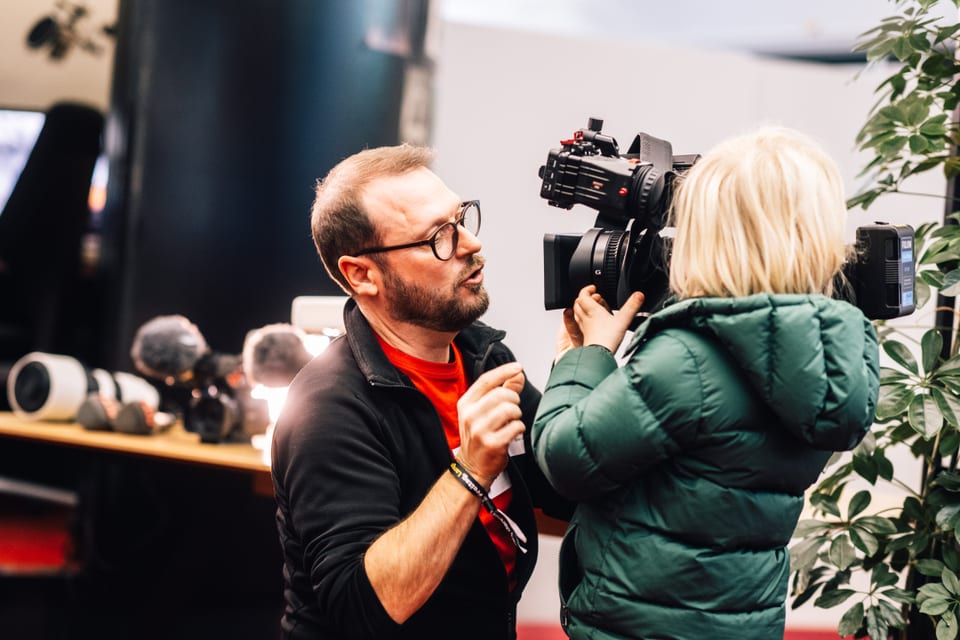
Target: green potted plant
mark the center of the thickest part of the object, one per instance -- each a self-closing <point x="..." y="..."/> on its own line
<point x="893" y="572"/>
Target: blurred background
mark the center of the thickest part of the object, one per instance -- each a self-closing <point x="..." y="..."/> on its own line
<point x="218" y="117"/>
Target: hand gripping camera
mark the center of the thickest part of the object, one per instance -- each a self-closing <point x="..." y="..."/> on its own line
<point x="625" y="250"/>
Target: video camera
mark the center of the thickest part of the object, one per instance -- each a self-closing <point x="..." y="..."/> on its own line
<point x="626" y="251"/>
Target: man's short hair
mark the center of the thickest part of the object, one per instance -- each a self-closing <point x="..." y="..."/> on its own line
<point x="338" y="220"/>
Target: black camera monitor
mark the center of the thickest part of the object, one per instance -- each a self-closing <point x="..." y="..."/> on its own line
<point x="883" y="275"/>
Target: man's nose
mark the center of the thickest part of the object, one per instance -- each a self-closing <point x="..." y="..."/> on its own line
<point x="467" y="242"/>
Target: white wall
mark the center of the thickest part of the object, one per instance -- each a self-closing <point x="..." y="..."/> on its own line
<point x="30" y="79"/>
<point x="504" y="97"/>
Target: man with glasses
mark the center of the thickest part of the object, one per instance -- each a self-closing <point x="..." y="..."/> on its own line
<point x="405" y="494"/>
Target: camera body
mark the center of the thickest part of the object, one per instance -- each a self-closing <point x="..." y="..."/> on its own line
<point x="214" y="411"/>
<point x="628" y="248"/>
<point x="624" y="251"/>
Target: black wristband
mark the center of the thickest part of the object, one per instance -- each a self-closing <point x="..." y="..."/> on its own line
<point x="468" y="481"/>
<point x="474" y="487"/>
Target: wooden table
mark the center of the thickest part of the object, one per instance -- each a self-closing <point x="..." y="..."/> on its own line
<point x="175" y="444"/>
<point x="174" y="538"/>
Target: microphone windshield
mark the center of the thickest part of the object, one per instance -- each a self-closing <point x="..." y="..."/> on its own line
<point x="168" y="346"/>
<point x="272" y="355"/>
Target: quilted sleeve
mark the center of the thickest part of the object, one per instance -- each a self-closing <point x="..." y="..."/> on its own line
<point x="598" y="426"/>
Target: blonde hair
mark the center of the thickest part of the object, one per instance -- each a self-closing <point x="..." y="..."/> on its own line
<point x="759" y="213"/>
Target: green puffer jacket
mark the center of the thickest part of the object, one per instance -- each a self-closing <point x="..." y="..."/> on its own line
<point x="691" y="460"/>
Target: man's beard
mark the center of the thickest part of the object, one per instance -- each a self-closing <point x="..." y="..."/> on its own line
<point x="428" y="306"/>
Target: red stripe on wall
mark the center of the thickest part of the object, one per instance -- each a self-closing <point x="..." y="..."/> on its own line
<point x="526" y="631"/>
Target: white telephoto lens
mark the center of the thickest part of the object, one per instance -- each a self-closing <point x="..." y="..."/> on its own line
<point x="45" y="386"/>
<point x="136" y="389"/>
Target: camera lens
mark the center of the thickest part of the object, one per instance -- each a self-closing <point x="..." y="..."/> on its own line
<point x="46" y="386"/>
<point x="31" y="387"/>
<point x="598" y="260"/>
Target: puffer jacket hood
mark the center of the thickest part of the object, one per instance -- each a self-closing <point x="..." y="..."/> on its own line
<point x="786" y="343"/>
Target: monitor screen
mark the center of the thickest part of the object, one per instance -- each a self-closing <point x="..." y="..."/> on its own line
<point x="19" y="129"/>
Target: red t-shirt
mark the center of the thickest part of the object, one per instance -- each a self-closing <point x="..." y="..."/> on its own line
<point x="443" y="383"/>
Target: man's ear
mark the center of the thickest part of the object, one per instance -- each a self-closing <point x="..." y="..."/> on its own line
<point x="362" y="274"/>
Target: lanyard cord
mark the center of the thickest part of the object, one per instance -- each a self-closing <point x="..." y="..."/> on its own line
<point x="516" y="534"/>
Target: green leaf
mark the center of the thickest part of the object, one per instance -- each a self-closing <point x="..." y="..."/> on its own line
<point x="949" y="480"/>
<point x="913" y="510"/>
<point x="803" y="555"/>
<point x="933" y="128"/>
<point x="851" y="621"/>
<point x="946" y="33"/>
<point x="882" y="576"/>
<point x="951" y="284"/>
<point x="891" y="614"/>
<point x="925" y="417"/>
<point x="919" y="42"/>
<point x="825" y="502"/>
<point x="930" y="346"/>
<point x="934" y="606"/>
<point x="949" y="443"/>
<point x="832" y="597"/>
<point x="876" y="524"/>
<point x="948" y="516"/>
<point x="902" y="49"/>
<point x="918" y="144"/>
<point x="947" y="627"/>
<point x="892" y="377"/>
<point x="950" y="582"/>
<point x="900" y="595"/>
<point x="930" y="278"/>
<point x="810" y="526"/>
<point x="894" y="402"/>
<point x="951" y="366"/>
<point x="917" y="109"/>
<point x="929" y="567"/>
<point x="875" y="625"/>
<point x="934" y="591"/>
<point x="866" y="467"/>
<point x="841" y="553"/>
<point x="859" y="502"/>
<point x="951" y="558"/>
<point x="948" y="405"/>
<point x="865" y="541"/>
<point x="863" y="200"/>
<point x="901" y="355"/>
<point x="884" y="466"/>
<point x="951" y="167"/>
<point x="892" y="147"/>
<point x="922" y="291"/>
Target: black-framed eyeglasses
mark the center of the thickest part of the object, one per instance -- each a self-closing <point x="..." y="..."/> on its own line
<point x="444" y="240"/>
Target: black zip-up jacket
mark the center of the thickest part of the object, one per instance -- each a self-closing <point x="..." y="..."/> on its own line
<point x="355" y="450"/>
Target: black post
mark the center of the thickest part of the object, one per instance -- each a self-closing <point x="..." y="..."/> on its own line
<point x="223" y="116"/>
